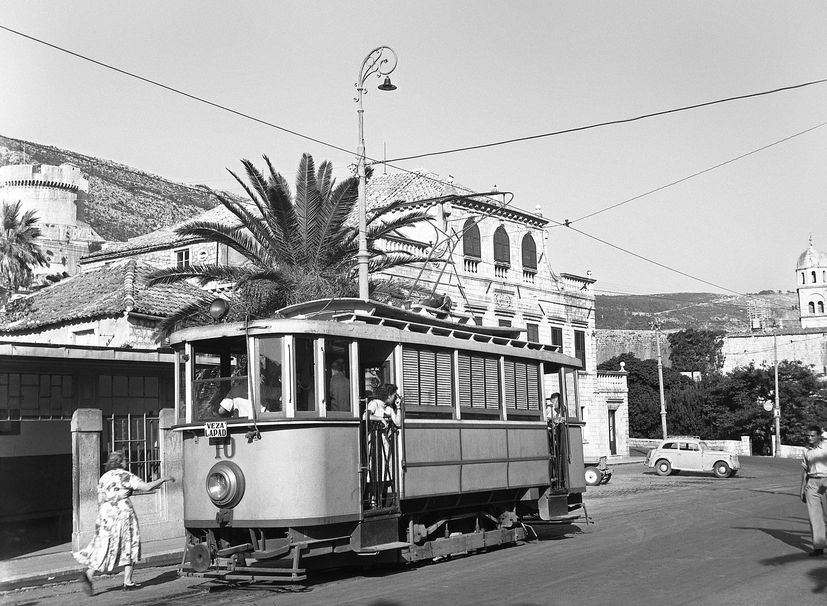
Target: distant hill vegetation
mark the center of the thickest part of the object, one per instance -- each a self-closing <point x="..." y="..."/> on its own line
<point x="692" y="310"/>
<point x="123" y="202"/>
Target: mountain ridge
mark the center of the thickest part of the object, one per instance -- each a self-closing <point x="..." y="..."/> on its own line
<point x="123" y="201"/>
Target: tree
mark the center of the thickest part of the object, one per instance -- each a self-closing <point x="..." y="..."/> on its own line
<point x="295" y="247"/>
<point x="19" y="251"/>
<point x="697" y="350"/>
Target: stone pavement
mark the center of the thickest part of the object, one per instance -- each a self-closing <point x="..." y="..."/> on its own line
<point x="56" y="563"/>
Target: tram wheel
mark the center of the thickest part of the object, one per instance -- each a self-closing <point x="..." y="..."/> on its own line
<point x="199" y="557"/>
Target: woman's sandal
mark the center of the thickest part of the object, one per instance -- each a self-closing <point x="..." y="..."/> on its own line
<point x="131" y="586"/>
<point x="87" y="584"/>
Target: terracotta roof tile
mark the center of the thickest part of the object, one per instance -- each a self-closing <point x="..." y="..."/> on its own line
<point x="108" y="291"/>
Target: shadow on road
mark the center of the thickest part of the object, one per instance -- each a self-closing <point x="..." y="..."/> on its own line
<point x="792" y="538"/>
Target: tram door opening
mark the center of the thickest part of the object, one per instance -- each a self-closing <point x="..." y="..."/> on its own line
<point x="380" y="420"/>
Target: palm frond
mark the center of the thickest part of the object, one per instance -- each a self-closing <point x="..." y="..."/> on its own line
<point x="387" y="226"/>
<point x="204" y="274"/>
<point x="396" y="258"/>
<point x="340" y="206"/>
<point x="194" y="313"/>
<point x="245" y="217"/>
<point x="307" y="204"/>
<point x="267" y="232"/>
<point x="233" y="237"/>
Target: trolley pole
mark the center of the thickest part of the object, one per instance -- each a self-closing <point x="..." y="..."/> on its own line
<point x="656" y="328"/>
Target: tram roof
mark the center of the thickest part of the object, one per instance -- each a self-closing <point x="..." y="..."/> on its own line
<point x="420" y="320"/>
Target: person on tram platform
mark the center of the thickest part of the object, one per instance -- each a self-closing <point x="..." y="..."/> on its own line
<point x="384" y="407"/>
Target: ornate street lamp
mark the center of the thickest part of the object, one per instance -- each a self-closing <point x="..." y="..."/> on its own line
<point x="380" y="61"/>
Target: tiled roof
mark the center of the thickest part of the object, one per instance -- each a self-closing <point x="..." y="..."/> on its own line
<point x="381" y="190"/>
<point x="108" y="291"/>
<point x="162" y="238"/>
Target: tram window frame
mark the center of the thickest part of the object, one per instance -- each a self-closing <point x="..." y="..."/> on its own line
<point x="309" y="354"/>
<point x="222" y="351"/>
<point x="521" y="369"/>
<point x="442" y="379"/>
<point x="471" y="388"/>
<point x="265" y="358"/>
<point x="329" y="355"/>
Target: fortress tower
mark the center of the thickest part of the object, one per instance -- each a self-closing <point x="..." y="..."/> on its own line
<point x="58" y="195"/>
<point x="811" y="276"/>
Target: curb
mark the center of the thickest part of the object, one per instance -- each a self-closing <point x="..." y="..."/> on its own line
<point x="64" y="574"/>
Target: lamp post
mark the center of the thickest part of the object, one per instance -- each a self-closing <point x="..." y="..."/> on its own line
<point x="656" y="327"/>
<point x="380" y="61"/>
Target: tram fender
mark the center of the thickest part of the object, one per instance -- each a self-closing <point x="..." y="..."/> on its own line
<point x="375" y="530"/>
<point x="552" y="505"/>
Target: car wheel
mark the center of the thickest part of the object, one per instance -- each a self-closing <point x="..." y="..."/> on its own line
<point x="721" y="469"/>
<point x="663" y="467"/>
<point x="593" y="476"/>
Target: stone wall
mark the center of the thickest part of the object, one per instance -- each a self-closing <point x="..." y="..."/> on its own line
<point x="758" y="349"/>
<point x="613" y="342"/>
<point x="742" y="447"/>
<point x="160" y="512"/>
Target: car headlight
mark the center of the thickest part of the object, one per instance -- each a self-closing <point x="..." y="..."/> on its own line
<point x="225" y="484"/>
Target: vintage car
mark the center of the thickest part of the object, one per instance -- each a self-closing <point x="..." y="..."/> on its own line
<point x="684" y="453"/>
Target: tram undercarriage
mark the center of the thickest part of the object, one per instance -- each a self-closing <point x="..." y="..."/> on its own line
<point x="426" y="533"/>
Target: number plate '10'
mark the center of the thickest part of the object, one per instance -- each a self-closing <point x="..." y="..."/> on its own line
<point x="216" y="429"/>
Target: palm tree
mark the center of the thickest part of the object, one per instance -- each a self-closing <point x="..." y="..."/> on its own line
<point x="19" y="251"/>
<point x="295" y="248"/>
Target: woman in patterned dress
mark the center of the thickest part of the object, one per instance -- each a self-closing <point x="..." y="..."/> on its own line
<point x="117" y="541"/>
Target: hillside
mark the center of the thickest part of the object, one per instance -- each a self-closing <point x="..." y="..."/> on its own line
<point x="123" y="202"/>
<point x="691" y="309"/>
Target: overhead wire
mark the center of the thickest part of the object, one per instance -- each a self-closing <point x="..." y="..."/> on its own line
<point x="696" y="174"/>
<point x="566" y="223"/>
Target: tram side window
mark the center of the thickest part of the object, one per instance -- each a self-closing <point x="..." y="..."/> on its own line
<point x="219" y="388"/>
<point x="337" y="375"/>
<point x="270" y="364"/>
<point x="522" y="386"/>
<point x="305" y="375"/>
<point x="479" y="381"/>
<point x="428" y="378"/>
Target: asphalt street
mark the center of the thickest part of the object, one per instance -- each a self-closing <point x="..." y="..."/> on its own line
<point x="684" y="539"/>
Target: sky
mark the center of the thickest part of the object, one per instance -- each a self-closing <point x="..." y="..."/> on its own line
<point x="471" y="73"/>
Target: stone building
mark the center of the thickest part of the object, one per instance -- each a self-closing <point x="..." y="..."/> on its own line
<point x="58" y="195"/>
<point x="489" y="256"/>
<point x="811" y="276"/>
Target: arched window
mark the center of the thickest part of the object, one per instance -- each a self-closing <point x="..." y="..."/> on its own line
<point x="813" y="277"/>
<point x="812" y="307"/>
<point x="471" y="239"/>
<point x="821" y="307"/>
<point x="502" y="248"/>
<point x="529" y="253"/>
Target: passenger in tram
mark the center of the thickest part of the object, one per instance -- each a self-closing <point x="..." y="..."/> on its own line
<point x="339" y="387"/>
<point x="236" y="402"/>
<point x="270" y="386"/>
<point x="554" y="410"/>
<point x="384" y="407"/>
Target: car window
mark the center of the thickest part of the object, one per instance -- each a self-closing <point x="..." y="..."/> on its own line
<point x="672" y="445"/>
<point x="684" y="446"/>
<point x="704" y="446"/>
<point x="692" y="446"/>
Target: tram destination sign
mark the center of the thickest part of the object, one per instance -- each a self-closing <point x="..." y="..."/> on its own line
<point x="215" y="429"/>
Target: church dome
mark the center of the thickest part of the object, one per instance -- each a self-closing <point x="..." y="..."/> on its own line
<point x="811" y="258"/>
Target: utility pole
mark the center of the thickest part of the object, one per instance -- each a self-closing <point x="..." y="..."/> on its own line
<point x="776" y="410"/>
<point x="656" y="327"/>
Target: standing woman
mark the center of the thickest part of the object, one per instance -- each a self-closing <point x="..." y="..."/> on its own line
<point x="117" y="541"/>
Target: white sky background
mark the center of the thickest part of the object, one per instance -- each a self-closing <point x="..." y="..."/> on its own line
<point x="471" y="73"/>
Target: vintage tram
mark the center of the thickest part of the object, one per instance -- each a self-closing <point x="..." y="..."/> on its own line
<point x="281" y="461"/>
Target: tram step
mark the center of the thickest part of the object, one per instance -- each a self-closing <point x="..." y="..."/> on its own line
<point x="383" y="547"/>
<point x="223" y="553"/>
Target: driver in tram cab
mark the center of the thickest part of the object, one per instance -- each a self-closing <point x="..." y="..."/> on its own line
<point x="236" y="402"/>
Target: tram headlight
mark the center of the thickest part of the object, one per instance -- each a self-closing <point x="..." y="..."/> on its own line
<point x="225" y="484"/>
